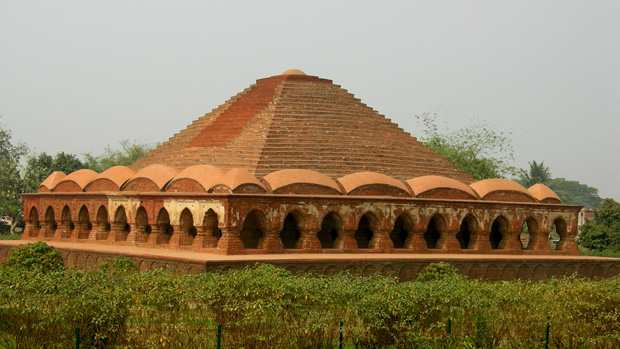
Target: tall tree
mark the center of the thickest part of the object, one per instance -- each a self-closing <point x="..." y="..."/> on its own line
<point x="40" y="166"/>
<point x="603" y="232"/>
<point x="10" y="179"/>
<point x="575" y="193"/>
<point x="538" y="173"/>
<point x="477" y="149"/>
<point x="128" y="154"/>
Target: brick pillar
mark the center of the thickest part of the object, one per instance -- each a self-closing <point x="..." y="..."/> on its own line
<point x="568" y="244"/>
<point x="448" y="241"/>
<point x="180" y="237"/>
<point x="117" y="232"/>
<point x="308" y="241"/>
<point x="482" y="242"/>
<point x="538" y="242"/>
<point x="98" y="232"/>
<point x="381" y="241"/>
<point x="345" y="240"/>
<point x="31" y="231"/>
<point x="64" y="231"/>
<point x="81" y="232"/>
<point x="512" y="242"/>
<point x="271" y="242"/>
<point x="230" y="242"/>
<point x="415" y="240"/>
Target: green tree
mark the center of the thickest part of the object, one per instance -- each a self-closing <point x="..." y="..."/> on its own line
<point x="538" y="173"/>
<point x="127" y="155"/>
<point x="40" y="166"/>
<point x="602" y="232"/>
<point x="575" y="193"/>
<point x="477" y="149"/>
<point x="10" y="179"/>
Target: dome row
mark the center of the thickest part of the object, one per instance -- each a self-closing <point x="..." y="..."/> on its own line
<point x="210" y="179"/>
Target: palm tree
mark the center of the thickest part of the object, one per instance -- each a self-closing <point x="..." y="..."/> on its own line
<point x="538" y="173"/>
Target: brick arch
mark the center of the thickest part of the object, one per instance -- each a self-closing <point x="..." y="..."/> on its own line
<point x="331" y="227"/>
<point x="367" y="228"/>
<point x="435" y="233"/>
<point x="84" y="225"/>
<point x="66" y="225"/>
<point x="253" y="229"/>
<point x="561" y="228"/>
<point x="33" y="225"/>
<point x="468" y="232"/>
<point x="292" y="225"/>
<point x="49" y="223"/>
<point x="301" y="217"/>
<point x="498" y="234"/>
<point x="163" y="227"/>
<point x="402" y="230"/>
<point x="187" y="229"/>
<point x="141" y="225"/>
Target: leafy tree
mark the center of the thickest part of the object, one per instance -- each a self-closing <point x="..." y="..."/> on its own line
<point x="575" y="193"/>
<point x="128" y="154"/>
<point x="476" y="149"/>
<point x="10" y="180"/>
<point x="40" y="166"/>
<point x="538" y="173"/>
<point x="602" y="232"/>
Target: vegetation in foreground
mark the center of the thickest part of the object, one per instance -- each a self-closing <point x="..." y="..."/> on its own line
<point x="267" y="307"/>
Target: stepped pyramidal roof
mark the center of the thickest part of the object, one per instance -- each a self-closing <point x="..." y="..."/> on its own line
<point x="296" y="121"/>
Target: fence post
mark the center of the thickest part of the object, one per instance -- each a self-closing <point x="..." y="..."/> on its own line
<point x="219" y="337"/>
<point x="77" y="338"/>
<point x="547" y="335"/>
<point x="340" y="345"/>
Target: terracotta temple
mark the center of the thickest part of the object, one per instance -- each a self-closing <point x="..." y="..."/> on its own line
<point x="296" y="164"/>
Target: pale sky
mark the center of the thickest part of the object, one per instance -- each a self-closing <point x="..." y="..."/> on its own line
<point x="76" y="76"/>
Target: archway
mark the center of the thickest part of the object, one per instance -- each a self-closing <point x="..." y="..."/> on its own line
<point x="434" y="230"/>
<point x="164" y="228"/>
<point x="211" y="229"/>
<point x="252" y="231"/>
<point x="400" y="232"/>
<point x="120" y="225"/>
<point x="528" y="233"/>
<point x="34" y="225"/>
<point x="331" y="227"/>
<point x="499" y="229"/>
<point x="364" y="232"/>
<point x="290" y="231"/>
<point x="83" y="223"/>
<point x="467" y="233"/>
<point x="103" y="224"/>
<point x="66" y="223"/>
<point x="557" y="235"/>
<point x="50" y="225"/>
<point x="143" y="229"/>
<point x="186" y="225"/>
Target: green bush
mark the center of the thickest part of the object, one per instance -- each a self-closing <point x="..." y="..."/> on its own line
<point x="35" y="256"/>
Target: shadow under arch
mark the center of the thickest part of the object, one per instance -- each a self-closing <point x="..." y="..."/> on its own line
<point x="365" y="230"/>
<point x="435" y="231"/>
<point x="468" y="232"/>
<point x="291" y="229"/>
<point x="331" y="229"/>
<point x="401" y="232"/>
<point x="252" y="232"/>
<point x="499" y="231"/>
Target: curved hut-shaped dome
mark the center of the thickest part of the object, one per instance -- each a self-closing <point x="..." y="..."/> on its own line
<point x="194" y="179"/>
<point x="498" y="189"/>
<point x="543" y="194"/>
<point x="111" y="179"/>
<point x="150" y="178"/>
<point x="76" y="181"/>
<point x="439" y="187"/>
<point x="238" y="180"/>
<point x="51" y="181"/>
<point x="301" y="182"/>
<point x="372" y="183"/>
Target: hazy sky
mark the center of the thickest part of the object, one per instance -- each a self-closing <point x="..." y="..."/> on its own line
<point x="76" y="76"/>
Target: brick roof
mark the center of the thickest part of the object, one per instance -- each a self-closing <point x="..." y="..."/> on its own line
<point x="295" y="121"/>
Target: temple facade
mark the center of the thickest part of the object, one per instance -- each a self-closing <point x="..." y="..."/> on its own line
<point x="296" y="164"/>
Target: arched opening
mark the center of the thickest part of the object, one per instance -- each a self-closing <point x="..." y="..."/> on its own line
<point x="164" y="228"/>
<point x="499" y="228"/>
<point x="400" y="233"/>
<point x="50" y="223"/>
<point x="467" y="233"/>
<point x="528" y="232"/>
<point x="290" y="231"/>
<point x="103" y="224"/>
<point x="83" y="223"/>
<point x="252" y="231"/>
<point x="188" y="230"/>
<point x="331" y="226"/>
<point x="557" y="235"/>
<point x="34" y="225"/>
<point x="120" y="223"/>
<point x="212" y="230"/>
<point x="433" y="232"/>
<point x="66" y="223"/>
<point x="364" y="232"/>
<point x="143" y="228"/>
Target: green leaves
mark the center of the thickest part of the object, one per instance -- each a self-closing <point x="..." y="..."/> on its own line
<point x="603" y="232"/>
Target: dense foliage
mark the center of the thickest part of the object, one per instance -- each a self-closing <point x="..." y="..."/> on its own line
<point x="603" y="232"/>
<point x="35" y="256"/>
<point x="10" y="180"/>
<point x="268" y="307"/>
<point x="126" y="155"/>
<point x="477" y="149"/>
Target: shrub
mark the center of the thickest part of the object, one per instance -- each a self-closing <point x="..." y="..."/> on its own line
<point x="35" y="256"/>
<point x="438" y="271"/>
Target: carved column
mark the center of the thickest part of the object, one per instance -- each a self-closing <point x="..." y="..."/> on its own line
<point x="180" y="237"/>
<point x="381" y="241"/>
<point x="538" y="242"/>
<point x="512" y="242"/>
<point x="308" y="241"/>
<point x="63" y="231"/>
<point x="346" y="241"/>
<point x="118" y="232"/>
<point x="99" y="232"/>
<point x="230" y="242"/>
<point x="416" y="240"/>
<point x="568" y="244"/>
<point x="483" y="242"/>
<point x="271" y="242"/>
<point x="81" y="231"/>
<point x="31" y="231"/>
<point x="448" y="240"/>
